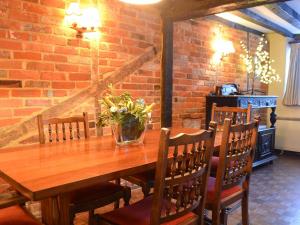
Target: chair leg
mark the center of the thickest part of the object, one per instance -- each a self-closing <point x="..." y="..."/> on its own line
<point x="216" y="216"/>
<point x="91" y="217"/>
<point x="72" y="217"/>
<point x="117" y="204"/>
<point x="224" y="217"/>
<point x="245" y="212"/>
<point x="146" y="190"/>
<point x="127" y="195"/>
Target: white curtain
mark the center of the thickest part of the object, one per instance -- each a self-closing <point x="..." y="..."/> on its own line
<point x="292" y="93"/>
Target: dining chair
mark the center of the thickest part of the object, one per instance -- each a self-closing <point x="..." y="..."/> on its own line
<point x="181" y="176"/>
<point x="231" y="184"/>
<point x="237" y="115"/>
<point x="12" y="211"/>
<point x="87" y="199"/>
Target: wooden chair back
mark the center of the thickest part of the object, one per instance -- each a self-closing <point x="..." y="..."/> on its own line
<point x="236" y="114"/>
<point x="236" y="155"/>
<point x="61" y="129"/>
<point x="182" y="173"/>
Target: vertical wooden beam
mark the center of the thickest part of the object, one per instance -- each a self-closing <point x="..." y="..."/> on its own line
<point x="166" y="72"/>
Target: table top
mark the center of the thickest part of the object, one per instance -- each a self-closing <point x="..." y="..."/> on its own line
<point x="41" y="171"/>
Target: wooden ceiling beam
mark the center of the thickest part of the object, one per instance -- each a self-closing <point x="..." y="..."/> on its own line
<point x="234" y="25"/>
<point x="178" y="10"/>
<point x="285" y="12"/>
<point x="259" y="20"/>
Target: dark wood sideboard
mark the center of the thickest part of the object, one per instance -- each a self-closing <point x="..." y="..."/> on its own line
<point x="266" y="136"/>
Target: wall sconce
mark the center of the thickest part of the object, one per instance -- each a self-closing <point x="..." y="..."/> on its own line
<point x="85" y="20"/>
<point x="221" y="47"/>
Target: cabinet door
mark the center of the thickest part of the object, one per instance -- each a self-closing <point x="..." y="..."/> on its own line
<point x="265" y="144"/>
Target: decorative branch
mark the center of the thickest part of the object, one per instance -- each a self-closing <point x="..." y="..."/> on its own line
<point x="259" y="64"/>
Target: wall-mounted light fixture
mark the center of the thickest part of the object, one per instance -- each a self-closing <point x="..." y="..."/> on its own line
<point x="84" y="20"/>
<point x="221" y="47"/>
<point x="141" y="2"/>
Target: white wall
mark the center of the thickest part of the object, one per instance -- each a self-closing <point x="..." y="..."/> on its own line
<point x="288" y="131"/>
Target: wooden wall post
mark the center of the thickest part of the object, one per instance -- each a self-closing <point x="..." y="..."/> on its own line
<point x="166" y="72"/>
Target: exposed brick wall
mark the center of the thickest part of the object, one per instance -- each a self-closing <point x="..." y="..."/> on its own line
<point x="194" y="76"/>
<point x="37" y="49"/>
<point x="52" y="64"/>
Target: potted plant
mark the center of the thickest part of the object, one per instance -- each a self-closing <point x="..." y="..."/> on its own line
<point x="127" y="117"/>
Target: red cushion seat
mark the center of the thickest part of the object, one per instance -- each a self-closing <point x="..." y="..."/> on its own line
<point x="139" y="214"/>
<point x="15" y="215"/>
<point x="225" y="193"/>
<point x="214" y="162"/>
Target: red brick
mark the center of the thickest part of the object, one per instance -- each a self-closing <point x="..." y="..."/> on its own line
<point x="21" y="36"/>
<point x="25" y="111"/>
<point x="38" y="28"/>
<point x="9" y="122"/>
<point x="54" y="40"/>
<point x="4" y="93"/>
<point x="59" y="93"/>
<point x="10" y="45"/>
<point x="84" y="44"/>
<point x="105" y="54"/>
<point x="23" y="16"/>
<point x="11" y="103"/>
<point x="5" y="113"/>
<point x="56" y="58"/>
<point x="66" y="50"/>
<point x="8" y="64"/>
<point x="73" y="42"/>
<point x="37" y="102"/>
<point x="79" y="76"/>
<point x="84" y="69"/>
<point x="67" y="67"/>
<point x="55" y="93"/>
<point x="63" y="85"/>
<point x="41" y="66"/>
<point x="110" y="39"/>
<point x="53" y="76"/>
<point x="116" y="63"/>
<point x="28" y="55"/>
<point x="103" y="62"/>
<point x="37" y="84"/>
<point x="26" y="93"/>
<point x="137" y="86"/>
<point x="80" y="85"/>
<point x="38" y="47"/>
<point x="24" y="74"/>
<point x="3" y="33"/>
<point x="54" y="3"/>
<point x="85" y="52"/>
<point x="35" y="8"/>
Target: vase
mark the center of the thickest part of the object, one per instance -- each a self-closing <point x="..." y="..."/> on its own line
<point x="129" y="131"/>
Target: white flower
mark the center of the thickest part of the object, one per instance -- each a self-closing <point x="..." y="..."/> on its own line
<point x="123" y="109"/>
<point x="140" y="101"/>
<point x="113" y="109"/>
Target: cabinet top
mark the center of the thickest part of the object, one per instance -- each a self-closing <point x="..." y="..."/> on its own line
<point x="242" y="96"/>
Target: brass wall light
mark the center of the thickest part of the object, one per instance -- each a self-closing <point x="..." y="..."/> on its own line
<point x="86" y="20"/>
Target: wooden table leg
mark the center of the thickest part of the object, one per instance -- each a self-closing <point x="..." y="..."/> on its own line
<point x="55" y="210"/>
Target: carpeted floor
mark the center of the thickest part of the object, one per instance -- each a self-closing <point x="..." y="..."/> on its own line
<point x="274" y="195"/>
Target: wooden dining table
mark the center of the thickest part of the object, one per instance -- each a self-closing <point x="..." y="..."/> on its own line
<point x="48" y="172"/>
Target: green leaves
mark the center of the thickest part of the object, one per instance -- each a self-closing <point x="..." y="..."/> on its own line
<point x="119" y="108"/>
